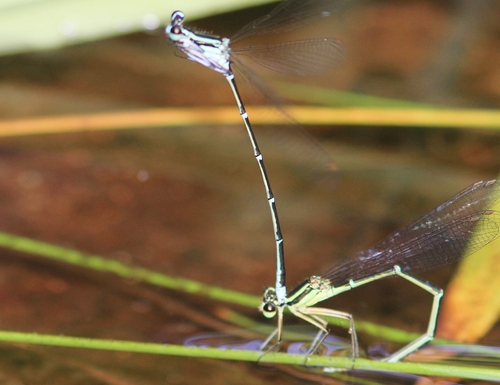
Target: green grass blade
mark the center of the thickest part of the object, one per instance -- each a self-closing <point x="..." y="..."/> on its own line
<point x="424" y="369"/>
<point x="109" y="266"/>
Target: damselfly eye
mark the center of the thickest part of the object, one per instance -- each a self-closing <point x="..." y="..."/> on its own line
<point x="176" y="30"/>
<point x="269" y="310"/>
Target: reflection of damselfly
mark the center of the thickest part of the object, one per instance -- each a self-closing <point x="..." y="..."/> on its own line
<point x="457" y="228"/>
<point x="295" y="57"/>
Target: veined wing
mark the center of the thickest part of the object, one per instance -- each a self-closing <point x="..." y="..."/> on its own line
<point x="454" y="230"/>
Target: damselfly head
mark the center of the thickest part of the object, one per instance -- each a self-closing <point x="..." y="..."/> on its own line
<point x="174" y="29"/>
<point x="269" y="305"/>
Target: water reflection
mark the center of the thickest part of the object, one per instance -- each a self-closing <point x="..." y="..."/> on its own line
<point x="483" y="356"/>
<point x="332" y="345"/>
<point x="223" y="341"/>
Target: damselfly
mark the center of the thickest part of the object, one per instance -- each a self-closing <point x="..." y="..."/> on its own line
<point x="457" y="228"/>
<point x="295" y="57"/>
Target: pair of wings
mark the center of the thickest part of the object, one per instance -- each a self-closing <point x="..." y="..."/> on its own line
<point x="454" y="230"/>
<point x="303" y="57"/>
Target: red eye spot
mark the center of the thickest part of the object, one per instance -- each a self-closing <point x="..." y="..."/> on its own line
<point x="176" y="30"/>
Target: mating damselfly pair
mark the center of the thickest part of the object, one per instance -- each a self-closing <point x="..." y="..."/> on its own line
<point x="455" y="229"/>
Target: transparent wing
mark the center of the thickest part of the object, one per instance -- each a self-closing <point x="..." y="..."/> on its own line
<point x="307" y="157"/>
<point x="301" y="58"/>
<point x="289" y="14"/>
<point x="454" y="230"/>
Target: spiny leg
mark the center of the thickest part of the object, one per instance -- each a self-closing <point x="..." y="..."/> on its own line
<point x="278" y="331"/>
<point x="313" y="316"/>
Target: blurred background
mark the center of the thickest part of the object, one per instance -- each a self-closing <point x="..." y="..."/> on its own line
<point x="187" y="200"/>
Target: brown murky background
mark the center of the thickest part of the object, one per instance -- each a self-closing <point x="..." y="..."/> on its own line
<point x="188" y="201"/>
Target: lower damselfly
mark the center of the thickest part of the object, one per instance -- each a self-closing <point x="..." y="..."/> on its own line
<point x="457" y="228"/>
